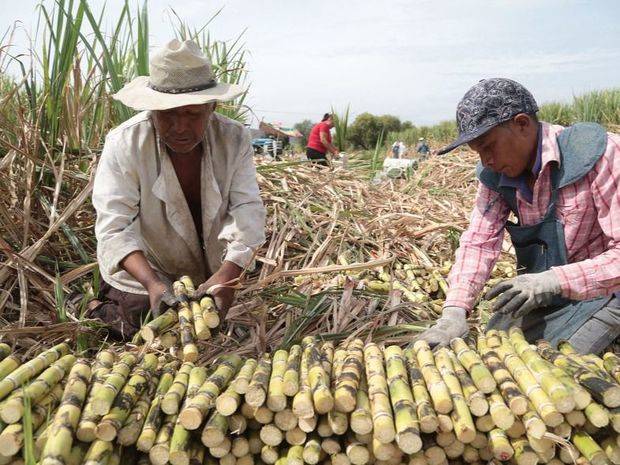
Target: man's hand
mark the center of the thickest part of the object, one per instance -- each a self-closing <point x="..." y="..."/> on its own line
<point x="222" y="295"/>
<point x="161" y="298"/>
<point x="519" y="296"/>
<point x="451" y="324"/>
<point x="160" y="294"/>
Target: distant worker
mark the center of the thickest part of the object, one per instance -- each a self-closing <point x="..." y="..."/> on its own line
<point x="395" y="149"/>
<point x="320" y="141"/>
<point x="422" y="147"/>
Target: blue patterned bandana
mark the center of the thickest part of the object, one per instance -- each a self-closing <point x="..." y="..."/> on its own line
<point x="487" y="104"/>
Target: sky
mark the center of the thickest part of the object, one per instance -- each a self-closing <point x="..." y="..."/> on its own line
<point x="414" y="59"/>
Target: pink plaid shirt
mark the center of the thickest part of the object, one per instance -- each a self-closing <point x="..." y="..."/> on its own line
<point x="589" y="210"/>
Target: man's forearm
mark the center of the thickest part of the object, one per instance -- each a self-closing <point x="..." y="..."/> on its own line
<point x="229" y="271"/>
<point x="591" y="278"/>
<point x="216" y="284"/>
<point x="140" y="269"/>
<point x="479" y="249"/>
<point x="328" y="145"/>
<point x="471" y="270"/>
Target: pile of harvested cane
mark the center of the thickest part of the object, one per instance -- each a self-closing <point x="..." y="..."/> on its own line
<point x="329" y="232"/>
<point x="355" y="403"/>
<point x="319" y="218"/>
<point x="188" y="328"/>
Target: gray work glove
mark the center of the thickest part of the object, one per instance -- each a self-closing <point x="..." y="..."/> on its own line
<point x="451" y="324"/>
<point x="519" y="296"/>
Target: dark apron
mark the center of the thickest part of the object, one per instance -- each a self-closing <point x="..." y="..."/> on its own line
<point x="538" y="248"/>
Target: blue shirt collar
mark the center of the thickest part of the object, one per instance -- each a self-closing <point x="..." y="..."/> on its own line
<point x="520" y="182"/>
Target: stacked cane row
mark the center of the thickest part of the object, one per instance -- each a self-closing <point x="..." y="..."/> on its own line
<point x="317" y="403"/>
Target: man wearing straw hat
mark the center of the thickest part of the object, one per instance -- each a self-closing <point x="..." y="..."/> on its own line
<point x="561" y="185"/>
<point x="175" y="192"/>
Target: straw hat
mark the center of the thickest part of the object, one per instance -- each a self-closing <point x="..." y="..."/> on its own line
<point x="180" y="75"/>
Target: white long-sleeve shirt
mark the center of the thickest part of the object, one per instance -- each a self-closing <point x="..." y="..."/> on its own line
<point x="140" y="204"/>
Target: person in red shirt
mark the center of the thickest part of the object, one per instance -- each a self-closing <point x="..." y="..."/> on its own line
<point x="320" y="141"/>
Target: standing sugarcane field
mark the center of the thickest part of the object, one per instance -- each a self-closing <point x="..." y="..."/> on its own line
<point x="322" y="233"/>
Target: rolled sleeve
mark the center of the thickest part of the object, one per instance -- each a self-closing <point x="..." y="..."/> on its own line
<point x="244" y="227"/>
<point x="240" y="254"/>
<point x="600" y="275"/>
<point x="479" y="249"/>
<point x="116" y="198"/>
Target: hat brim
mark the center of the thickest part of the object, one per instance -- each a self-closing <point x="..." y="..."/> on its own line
<point x="139" y="96"/>
<point x="465" y="138"/>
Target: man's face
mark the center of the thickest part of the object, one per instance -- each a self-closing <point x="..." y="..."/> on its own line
<point x="507" y="148"/>
<point x="183" y="128"/>
<point x="330" y="122"/>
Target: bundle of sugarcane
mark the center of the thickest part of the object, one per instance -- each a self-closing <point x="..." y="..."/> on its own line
<point x="179" y="328"/>
<point x="354" y="403"/>
<point x="422" y="282"/>
<point x="361" y="404"/>
<point x="417" y="282"/>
